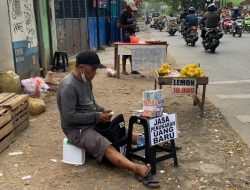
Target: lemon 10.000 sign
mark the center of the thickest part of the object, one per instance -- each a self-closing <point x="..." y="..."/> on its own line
<point x="182" y="86"/>
<point x="162" y="129"/>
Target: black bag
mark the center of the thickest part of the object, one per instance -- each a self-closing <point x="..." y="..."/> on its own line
<point x="114" y="131"/>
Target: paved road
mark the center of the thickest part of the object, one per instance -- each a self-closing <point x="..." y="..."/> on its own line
<point x="229" y="75"/>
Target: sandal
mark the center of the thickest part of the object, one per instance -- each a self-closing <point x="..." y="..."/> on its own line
<point x="125" y="73"/>
<point x="135" y="72"/>
<point x="148" y="181"/>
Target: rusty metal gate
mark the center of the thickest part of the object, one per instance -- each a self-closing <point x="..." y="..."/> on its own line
<point x="71" y="25"/>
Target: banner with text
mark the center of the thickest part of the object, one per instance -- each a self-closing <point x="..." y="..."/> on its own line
<point x="183" y="86"/>
<point x="162" y="129"/>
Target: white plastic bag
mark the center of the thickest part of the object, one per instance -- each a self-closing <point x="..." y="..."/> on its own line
<point x="111" y="72"/>
<point x="34" y="86"/>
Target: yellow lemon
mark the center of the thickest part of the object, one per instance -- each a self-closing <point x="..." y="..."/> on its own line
<point x="161" y="70"/>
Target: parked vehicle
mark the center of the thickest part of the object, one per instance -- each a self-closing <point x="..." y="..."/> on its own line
<point x="227" y="25"/>
<point x="191" y="35"/>
<point x="246" y="24"/>
<point x="238" y="27"/>
<point x="211" y="41"/>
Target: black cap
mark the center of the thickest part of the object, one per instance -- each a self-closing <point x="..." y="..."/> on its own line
<point x="89" y="58"/>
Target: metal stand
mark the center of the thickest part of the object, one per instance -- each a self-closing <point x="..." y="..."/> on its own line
<point x="150" y="155"/>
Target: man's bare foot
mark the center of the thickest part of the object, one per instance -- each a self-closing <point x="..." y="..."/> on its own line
<point x="142" y="170"/>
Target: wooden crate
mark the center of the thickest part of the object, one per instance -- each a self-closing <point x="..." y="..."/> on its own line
<point x="5" y="116"/>
<point x="6" y="141"/>
<point x="6" y="128"/>
<point x="5" y="96"/>
<point x="18" y="104"/>
<point x="14" y="117"/>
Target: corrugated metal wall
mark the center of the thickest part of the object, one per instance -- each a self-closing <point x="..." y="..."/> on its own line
<point x="79" y="31"/>
<point x="108" y="17"/>
<point x="115" y="10"/>
<point x="71" y="25"/>
<point x="92" y="26"/>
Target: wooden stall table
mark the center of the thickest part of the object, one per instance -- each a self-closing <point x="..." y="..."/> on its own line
<point x="200" y="81"/>
<point x="127" y="48"/>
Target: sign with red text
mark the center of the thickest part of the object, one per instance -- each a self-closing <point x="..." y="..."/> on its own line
<point x="183" y="86"/>
<point x="162" y="129"/>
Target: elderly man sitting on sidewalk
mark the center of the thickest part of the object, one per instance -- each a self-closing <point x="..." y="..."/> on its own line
<point x="80" y="115"/>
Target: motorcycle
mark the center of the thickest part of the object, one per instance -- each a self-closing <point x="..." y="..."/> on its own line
<point x="227" y="25"/>
<point x="172" y="27"/>
<point x="211" y="41"/>
<point x="153" y="22"/>
<point x="191" y="35"/>
<point x="237" y="27"/>
<point x="172" y="31"/>
<point x="246" y="23"/>
<point x="161" y="25"/>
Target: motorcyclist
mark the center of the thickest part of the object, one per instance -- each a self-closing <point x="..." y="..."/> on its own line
<point x="182" y="19"/>
<point x="210" y="19"/>
<point x="184" y="14"/>
<point x="171" y="22"/>
<point x="246" y="13"/>
<point x="235" y="15"/>
<point x="192" y="18"/>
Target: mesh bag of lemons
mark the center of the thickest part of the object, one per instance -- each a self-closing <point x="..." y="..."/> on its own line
<point x="191" y="70"/>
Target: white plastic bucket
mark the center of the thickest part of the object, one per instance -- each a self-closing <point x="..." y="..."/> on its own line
<point x="72" y="154"/>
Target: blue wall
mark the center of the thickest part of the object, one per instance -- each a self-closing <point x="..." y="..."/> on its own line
<point x="109" y="32"/>
<point x="92" y="30"/>
<point x="103" y="30"/>
<point x="25" y="59"/>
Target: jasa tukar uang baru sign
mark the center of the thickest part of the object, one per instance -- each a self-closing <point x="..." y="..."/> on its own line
<point x="162" y="129"/>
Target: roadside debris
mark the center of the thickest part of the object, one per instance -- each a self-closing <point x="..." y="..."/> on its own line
<point x="26" y="177"/>
<point x="15" y="153"/>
